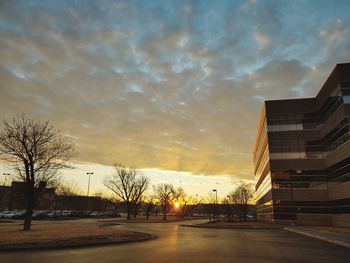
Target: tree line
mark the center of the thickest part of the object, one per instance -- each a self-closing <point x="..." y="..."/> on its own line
<point x="130" y="187"/>
<point x="37" y="152"/>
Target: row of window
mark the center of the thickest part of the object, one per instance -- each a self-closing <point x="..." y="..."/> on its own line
<point x="296" y="155"/>
<point x="263" y="187"/>
<point x="307" y="121"/>
<point x="308" y="149"/>
<point x="300" y="184"/>
<point x="261" y="139"/>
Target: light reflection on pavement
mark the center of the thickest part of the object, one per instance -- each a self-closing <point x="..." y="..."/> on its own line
<point x="176" y="243"/>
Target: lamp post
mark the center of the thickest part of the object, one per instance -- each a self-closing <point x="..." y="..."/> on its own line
<point x="88" y="190"/>
<point x="216" y="203"/>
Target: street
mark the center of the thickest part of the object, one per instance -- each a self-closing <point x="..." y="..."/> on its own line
<point x="176" y="243"/>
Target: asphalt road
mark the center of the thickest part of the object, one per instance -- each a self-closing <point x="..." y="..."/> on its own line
<point x="184" y="244"/>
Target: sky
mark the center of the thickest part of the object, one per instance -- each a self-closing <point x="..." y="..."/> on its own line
<point x="173" y="88"/>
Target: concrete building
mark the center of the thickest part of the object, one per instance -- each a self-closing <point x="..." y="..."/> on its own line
<point x="302" y="156"/>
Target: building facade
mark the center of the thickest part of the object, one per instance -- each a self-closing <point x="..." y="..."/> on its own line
<point x="302" y="156"/>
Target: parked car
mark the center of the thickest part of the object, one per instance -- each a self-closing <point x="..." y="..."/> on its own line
<point x="40" y="214"/>
<point x="14" y="214"/>
<point x="95" y="213"/>
<point x="56" y="213"/>
<point x="2" y="213"/>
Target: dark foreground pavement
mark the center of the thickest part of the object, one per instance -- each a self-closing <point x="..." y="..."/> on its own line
<point x="340" y="239"/>
<point x="183" y="244"/>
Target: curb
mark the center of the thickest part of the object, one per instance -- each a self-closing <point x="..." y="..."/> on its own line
<point x="104" y="240"/>
<point x="332" y="241"/>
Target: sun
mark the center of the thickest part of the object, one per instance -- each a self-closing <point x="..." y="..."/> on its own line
<point x="177" y="205"/>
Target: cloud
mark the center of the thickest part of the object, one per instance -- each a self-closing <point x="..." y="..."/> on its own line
<point x="164" y="85"/>
<point x="333" y="34"/>
<point x="262" y="39"/>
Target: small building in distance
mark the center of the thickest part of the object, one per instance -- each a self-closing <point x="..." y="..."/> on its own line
<point x="302" y="156"/>
<point x="14" y="196"/>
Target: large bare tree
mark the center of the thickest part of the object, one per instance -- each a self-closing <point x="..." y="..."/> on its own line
<point x="36" y="151"/>
<point x="127" y="185"/>
<point x="167" y="194"/>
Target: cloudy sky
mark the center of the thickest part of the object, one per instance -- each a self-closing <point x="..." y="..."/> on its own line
<point x="171" y="87"/>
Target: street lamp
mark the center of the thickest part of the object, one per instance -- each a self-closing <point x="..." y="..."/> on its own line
<point x="88" y="190"/>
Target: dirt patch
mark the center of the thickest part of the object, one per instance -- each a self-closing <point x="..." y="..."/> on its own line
<point x="64" y="234"/>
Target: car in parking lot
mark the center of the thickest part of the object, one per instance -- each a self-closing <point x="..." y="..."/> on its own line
<point x="13" y="214"/>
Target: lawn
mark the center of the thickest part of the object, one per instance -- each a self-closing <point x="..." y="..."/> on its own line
<point x="63" y="234"/>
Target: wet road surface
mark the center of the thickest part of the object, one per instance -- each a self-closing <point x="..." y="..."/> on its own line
<point x="176" y="243"/>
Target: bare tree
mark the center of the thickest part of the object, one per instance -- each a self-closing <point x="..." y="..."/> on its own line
<point x="240" y="197"/>
<point x="37" y="152"/>
<point x="211" y="207"/>
<point x="234" y="198"/>
<point x="141" y="186"/>
<point x="191" y="203"/>
<point x="68" y="188"/>
<point x="227" y="208"/>
<point x="166" y="195"/>
<point x="125" y="183"/>
<point x="150" y="203"/>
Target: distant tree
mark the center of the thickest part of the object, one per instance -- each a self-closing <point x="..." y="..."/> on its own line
<point x="166" y="196"/>
<point x="128" y="186"/>
<point x="191" y="203"/>
<point x="150" y="203"/>
<point x="227" y="209"/>
<point x="65" y="188"/>
<point x="37" y="152"/>
<point x="210" y="207"/>
<point x="241" y="197"/>
<point x="68" y="188"/>
<point x="141" y="186"/>
<point x="117" y="201"/>
<point x="234" y="198"/>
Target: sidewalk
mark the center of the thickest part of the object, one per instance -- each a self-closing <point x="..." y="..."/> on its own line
<point x="341" y="239"/>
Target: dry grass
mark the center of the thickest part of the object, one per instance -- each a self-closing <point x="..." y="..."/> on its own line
<point x="49" y="233"/>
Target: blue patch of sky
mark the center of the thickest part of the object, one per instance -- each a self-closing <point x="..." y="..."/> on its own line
<point x="208" y="25"/>
<point x="133" y="87"/>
